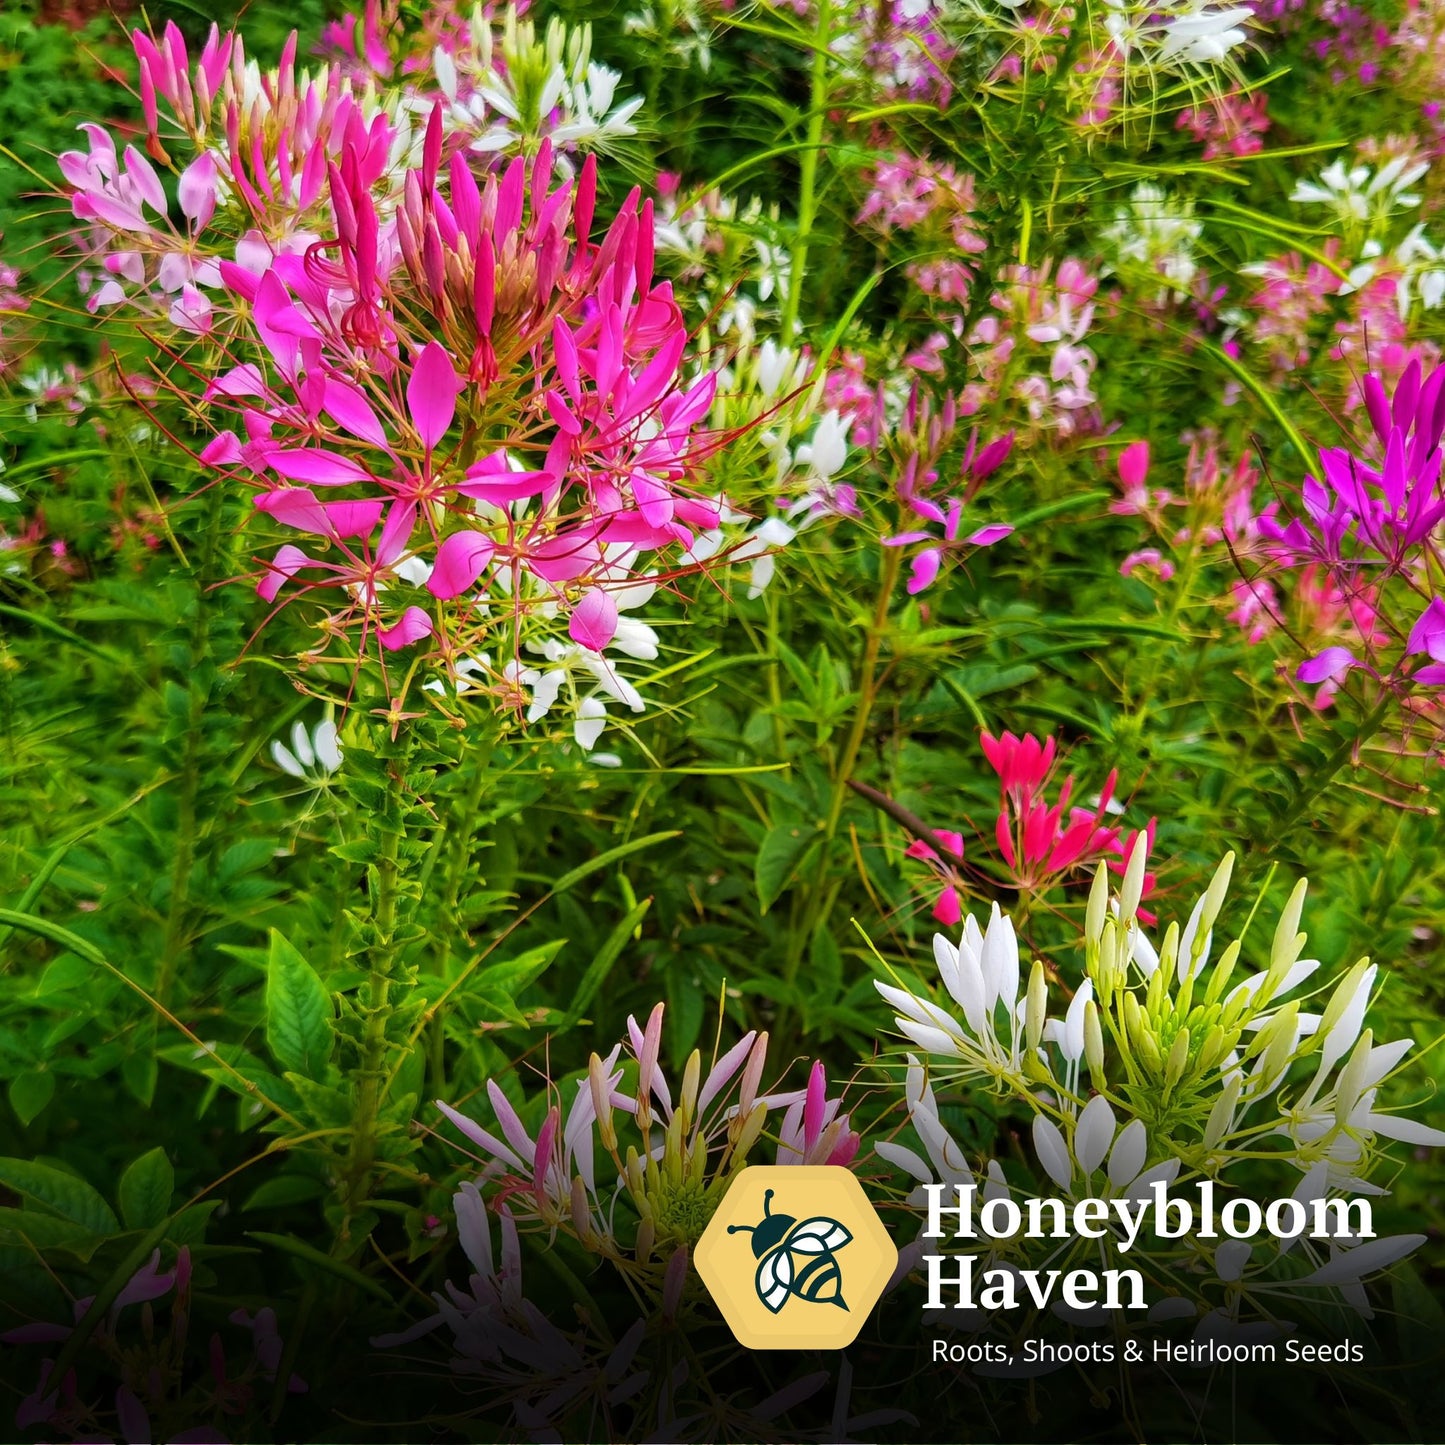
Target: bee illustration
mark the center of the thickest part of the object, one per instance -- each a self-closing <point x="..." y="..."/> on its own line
<point x="777" y="1238"/>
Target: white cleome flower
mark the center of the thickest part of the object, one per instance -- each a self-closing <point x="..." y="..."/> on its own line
<point x="312" y="757"/>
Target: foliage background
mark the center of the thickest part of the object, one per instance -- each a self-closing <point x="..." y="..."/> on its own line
<point x="139" y="815"/>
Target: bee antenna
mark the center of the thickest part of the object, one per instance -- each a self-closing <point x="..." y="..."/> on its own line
<point x="767" y="1201"/>
<point x="741" y="1228"/>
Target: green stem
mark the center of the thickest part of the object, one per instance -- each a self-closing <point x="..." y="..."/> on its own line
<point x="820" y="900"/>
<point x="176" y="934"/>
<point x="1323" y="777"/>
<point x="362" y="1156"/>
<point x="808" y="173"/>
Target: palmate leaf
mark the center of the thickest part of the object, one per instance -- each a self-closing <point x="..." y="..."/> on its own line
<point x="299" y="1015"/>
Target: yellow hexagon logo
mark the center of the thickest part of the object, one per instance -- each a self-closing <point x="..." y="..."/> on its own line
<point x="795" y="1257"/>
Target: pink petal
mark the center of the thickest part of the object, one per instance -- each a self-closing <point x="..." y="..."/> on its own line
<point x="281" y="569"/>
<point x="492" y="480"/>
<point x="431" y="394"/>
<point x="223" y="450"/>
<point x="948" y="910"/>
<point x="325" y="469"/>
<point x="1134" y="465"/>
<point x="354" y="519"/>
<point x="296" y="507"/>
<point x="987" y="536"/>
<point x="925" y="569"/>
<point x="348" y="408"/>
<point x="197" y="190"/>
<point x="1428" y="633"/>
<point x="400" y="524"/>
<point x="593" y="623"/>
<point x="413" y="626"/>
<point x="460" y="560"/>
<point x="1331" y="665"/>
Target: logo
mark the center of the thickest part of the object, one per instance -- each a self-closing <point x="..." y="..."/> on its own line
<point x="795" y="1257"/>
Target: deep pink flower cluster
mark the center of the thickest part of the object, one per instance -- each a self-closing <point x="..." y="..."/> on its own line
<point x="149" y="1362"/>
<point x="923" y="437"/>
<point x="1369" y="527"/>
<point x="1233" y="124"/>
<point x="255" y="186"/>
<point x="475" y="419"/>
<point x="478" y="398"/>
<point x="1040" y="842"/>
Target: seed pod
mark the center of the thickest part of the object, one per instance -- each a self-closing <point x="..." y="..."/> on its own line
<point x="1221" y="1116"/>
<point x="1178" y="1058"/>
<point x="1037" y="1008"/>
<point x="1094" y="1045"/>
<point x="1097" y="912"/>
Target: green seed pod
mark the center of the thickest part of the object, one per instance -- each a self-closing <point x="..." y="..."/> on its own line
<point x="1178" y="1059"/>
<point x="1097" y="912"/>
<point x="1220" y="974"/>
<point x="1094" y="1046"/>
<point x="1037" y="1009"/>
<point x="1221" y="1116"/>
<point x="1351" y="1082"/>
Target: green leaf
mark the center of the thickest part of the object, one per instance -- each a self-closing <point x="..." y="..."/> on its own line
<point x="298" y="1012"/>
<point x="140" y="1073"/>
<point x="576" y="875"/>
<point x="288" y="1244"/>
<point x="46" y="1231"/>
<point x="284" y="1191"/>
<point x="602" y="962"/>
<point x="145" y="1190"/>
<point x="778" y="858"/>
<point x="512" y="975"/>
<point x="63" y="973"/>
<point x="60" y="1193"/>
<point x="30" y="1093"/>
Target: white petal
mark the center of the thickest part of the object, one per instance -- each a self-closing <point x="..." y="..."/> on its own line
<point x="1350" y="1265"/>
<point x="328" y="754"/>
<point x="1126" y="1158"/>
<point x="1094" y="1133"/>
<point x="1052" y="1151"/>
<point x="285" y="761"/>
<point x="301" y="745"/>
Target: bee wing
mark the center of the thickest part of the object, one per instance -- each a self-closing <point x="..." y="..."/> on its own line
<point x="817" y="1236"/>
<point x="775" y="1279"/>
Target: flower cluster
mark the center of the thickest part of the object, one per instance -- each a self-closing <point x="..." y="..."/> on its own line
<point x="920" y="443"/>
<point x="913" y="194"/>
<point x="669" y="1152"/>
<point x="1367" y="537"/>
<point x="1170" y="1063"/>
<point x="147" y="1362"/>
<point x="1038" y="842"/>
<point x="477" y="416"/>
